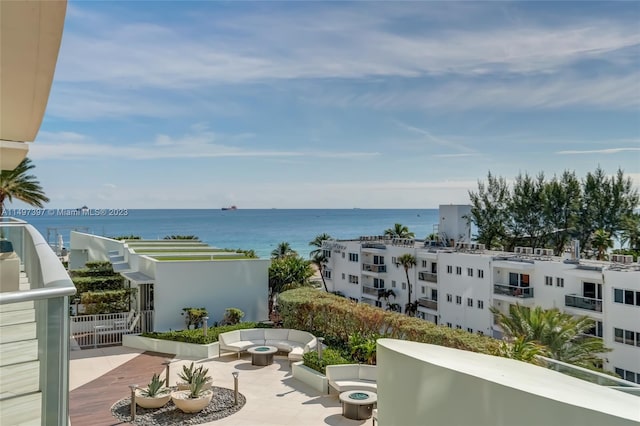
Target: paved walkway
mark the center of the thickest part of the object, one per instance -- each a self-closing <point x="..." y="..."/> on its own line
<point x="90" y="404"/>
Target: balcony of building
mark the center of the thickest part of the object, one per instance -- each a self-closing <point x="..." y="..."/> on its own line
<point x="513" y="291"/>
<point x="584" y="303"/>
<point x="372" y="292"/>
<point x="428" y="276"/>
<point x="34" y="328"/>
<point x="427" y="303"/>
<point x="374" y="268"/>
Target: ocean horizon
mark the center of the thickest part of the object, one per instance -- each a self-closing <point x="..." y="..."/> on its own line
<point x="257" y="229"/>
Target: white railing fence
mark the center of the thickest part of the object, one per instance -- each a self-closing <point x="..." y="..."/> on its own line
<point x="92" y="331"/>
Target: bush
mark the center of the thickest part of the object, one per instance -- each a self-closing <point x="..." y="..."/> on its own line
<point x="337" y="319"/>
<point x="197" y="336"/>
<point x="106" y="302"/>
<point x="329" y="357"/>
<point x="232" y="316"/>
<point x="194" y="316"/>
<point x="84" y="284"/>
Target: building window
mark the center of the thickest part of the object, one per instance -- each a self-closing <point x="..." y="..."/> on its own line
<point x="596" y="330"/>
<point x="327" y="273"/>
<point x="378" y="304"/>
<point x="480" y="273"/>
<point x="353" y="279"/>
<point x="449" y="325"/>
<point x="423" y="290"/>
<point x="393" y="284"/>
<point x="394" y="260"/>
<point x="424" y="263"/>
<point x="480" y="304"/>
<point x="434" y="267"/>
<point x="378" y="283"/>
<point x="459" y="300"/>
<point x="458" y="270"/>
<point x="469" y="302"/>
<point x="449" y="269"/>
<point x="470" y="330"/>
<point x="326" y="253"/>
<point x="343" y="255"/>
<point x="459" y="327"/>
<point x="627" y="337"/>
<point x="343" y="275"/>
<point x="617" y="334"/>
<point x="434" y="294"/>
<point x="378" y="260"/>
<point x="449" y="298"/>
<point x="628" y="375"/>
<point x="404" y="286"/>
<point x="559" y="282"/>
<point x="548" y="280"/>
<point x="628" y="297"/>
<point x="470" y="272"/>
<point x="353" y="257"/>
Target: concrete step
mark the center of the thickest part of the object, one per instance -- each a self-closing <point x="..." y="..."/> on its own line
<point x="18" y="352"/>
<point x="17" y="332"/>
<point x="17" y="317"/>
<point x="23" y="410"/>
<point x="19" y="379"/>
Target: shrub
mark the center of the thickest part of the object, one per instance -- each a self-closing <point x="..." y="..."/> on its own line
<point x="232" y="316"/>
<point x="329" y="357"/>
<point x="197" y="336"/>
<point x="106" y="302"/>
<point x="85" y="284"/>
<point x="337" y="319"/>
<point x="194" y="316"/>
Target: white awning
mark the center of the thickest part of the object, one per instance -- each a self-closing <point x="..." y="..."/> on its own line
<point x="515" y="265"/>
<point x="138" y="277"/>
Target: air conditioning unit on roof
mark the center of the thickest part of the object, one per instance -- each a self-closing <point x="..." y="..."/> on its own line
<point x="538" y="251"/>
<point x="527" y="250"/>
<point x="517" y="250"/>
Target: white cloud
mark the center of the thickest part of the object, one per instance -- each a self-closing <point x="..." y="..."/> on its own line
<point x="605" y="151"/>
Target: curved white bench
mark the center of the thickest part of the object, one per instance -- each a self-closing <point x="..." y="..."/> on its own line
<point x="295" y="342"/>
<point x="349" y="377"/>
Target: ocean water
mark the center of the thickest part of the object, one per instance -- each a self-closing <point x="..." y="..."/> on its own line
<point x="260" y="230"/>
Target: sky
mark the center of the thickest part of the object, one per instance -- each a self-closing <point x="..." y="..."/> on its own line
<point x="334" y="104"/>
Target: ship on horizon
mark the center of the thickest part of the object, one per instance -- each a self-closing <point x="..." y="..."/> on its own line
<point x="230" y="208"/>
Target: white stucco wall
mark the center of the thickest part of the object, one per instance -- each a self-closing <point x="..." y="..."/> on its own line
<point x="420" y="384"/>
<point x="214" y="285"/>
<point x="87" y="247"/>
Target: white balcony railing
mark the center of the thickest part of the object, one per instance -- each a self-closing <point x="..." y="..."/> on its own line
<point x="45" y="307"/>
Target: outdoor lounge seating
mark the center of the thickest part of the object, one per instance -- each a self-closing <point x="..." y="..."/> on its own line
<point x="348" y="377"/>
<point x="295" y="342"/>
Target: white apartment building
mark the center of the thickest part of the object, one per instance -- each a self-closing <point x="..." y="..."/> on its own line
<point x="456" y="286"/>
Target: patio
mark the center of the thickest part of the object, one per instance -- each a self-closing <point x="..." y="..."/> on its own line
<point x="100" y="377"/>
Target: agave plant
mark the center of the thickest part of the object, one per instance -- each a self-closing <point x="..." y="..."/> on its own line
<point x="187" y="373"/>
<point x="198" y="381"/>
<point x="155" y="388"/>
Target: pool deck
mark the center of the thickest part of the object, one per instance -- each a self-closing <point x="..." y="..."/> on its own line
<point x="100" y="377"/>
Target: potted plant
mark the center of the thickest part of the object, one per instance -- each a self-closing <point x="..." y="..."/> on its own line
<point x="196" y="398"/>
<point x="155" y="395"/>
<point x="187" y="376"/>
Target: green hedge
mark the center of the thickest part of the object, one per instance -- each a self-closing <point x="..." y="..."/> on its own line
<point x="85" y="284"/>
<point x="329" y="357"/>
<point x="337" y="319"/>
<point x="197" y="335"/>
<point x="106" y="302"/>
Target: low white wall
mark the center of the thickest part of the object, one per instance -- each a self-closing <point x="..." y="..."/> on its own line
<point x="180" y="349"/>
<point x="422" y="384"/>
<point x="310" y="377"/>
<point x="87" y="247"/>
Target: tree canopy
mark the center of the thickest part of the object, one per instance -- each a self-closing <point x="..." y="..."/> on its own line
<point x="399" y="231"/>
<point x="18" y="184"/>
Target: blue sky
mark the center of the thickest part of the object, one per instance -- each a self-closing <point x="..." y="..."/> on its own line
<point x="334" y="104"/>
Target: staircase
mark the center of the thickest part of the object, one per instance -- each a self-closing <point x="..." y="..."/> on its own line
<point x="20" y="394"/>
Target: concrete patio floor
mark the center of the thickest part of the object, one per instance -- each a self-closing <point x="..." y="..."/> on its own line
<point x="274" y="397"/>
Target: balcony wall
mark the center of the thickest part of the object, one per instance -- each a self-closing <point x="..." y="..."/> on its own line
<point x="45" y="302"/>
<point x="580" y="302"/>
<point x="513" y="291"/>
<point x="428" y="276"/>
<point x="428" y="303"/>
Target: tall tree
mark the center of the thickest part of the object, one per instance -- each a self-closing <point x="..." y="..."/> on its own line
<point x="320" y="261"/>
<point x="563" y="336"/>
<point x="282" y="250"/>
<point x="399" y="231"/>
<point x="489" y="210"/>
<point x="317" y="242"/>
<point x="630" y="233"/>
<point x="601" y="241"/>
<point x="18" y="184"/>
<point x="526" y="221"/>
<point x="286" y="273"/>
<point x="385" y="295"/>
<point x="561" y="209"/>
<point x="408" y="261"/>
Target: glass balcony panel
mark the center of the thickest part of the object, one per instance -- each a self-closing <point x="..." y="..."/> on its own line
<point x="580" y="302"/>
<point x="428" y="303"/>
<point x="369" y="267"/>
<point x="427" y="276"/>
<point x="513" y="291"/>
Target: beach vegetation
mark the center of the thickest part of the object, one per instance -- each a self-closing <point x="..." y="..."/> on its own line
<point x="408" y="261"/>
<point x="282" y="250"/>
<point x="537" y="212"/>
<point x="317" y="243"/>
<point x="20" y="185"/>
<point x="399" y="231"/>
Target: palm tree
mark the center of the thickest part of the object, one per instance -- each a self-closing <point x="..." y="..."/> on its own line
<point x="18" y="184"/>
<point x="601" y="240"/>
<point x="320" y="260"/>
<point x="385" y="295"/>
<point x="317" y="242"/>
<point x="282" y="250"/>
<point x="630" y="233"/>
<point x="286" y="273"/>
<point x="522" y="350"/>
<point x="399" y="231"/>
<point x="408" y="261"/>
<point x="563" y="336"/>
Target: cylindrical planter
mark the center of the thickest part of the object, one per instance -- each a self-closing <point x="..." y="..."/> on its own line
<point x="191" y="405"/>
<point x="152" y="402"/>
